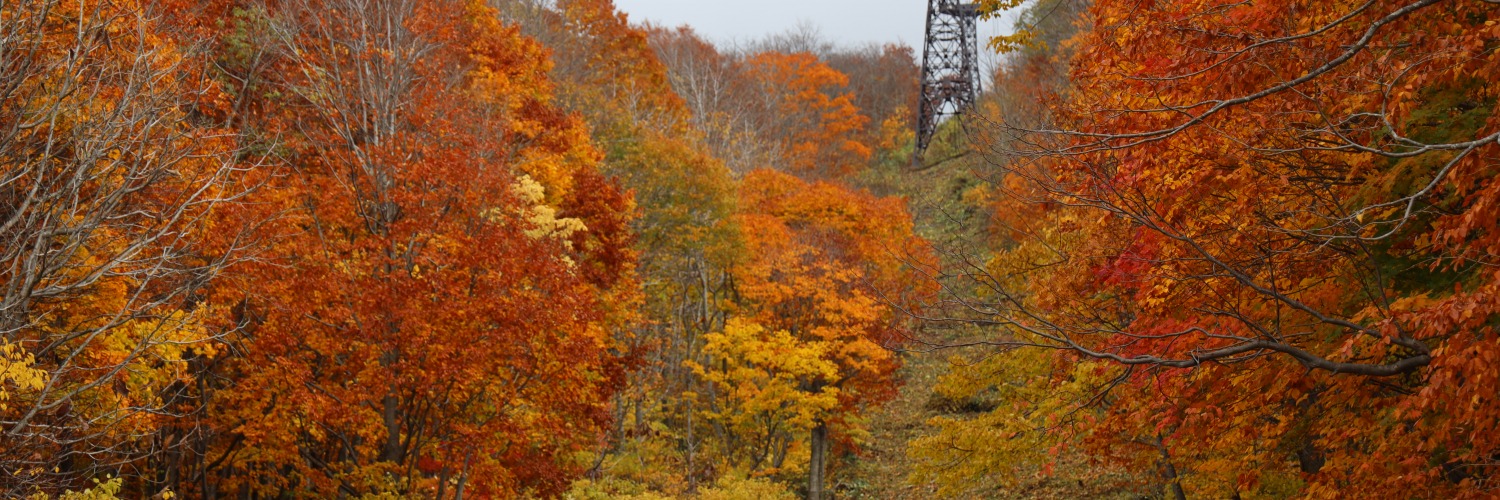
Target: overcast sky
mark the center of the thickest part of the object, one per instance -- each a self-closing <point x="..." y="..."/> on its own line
<point x="844" y="22"/>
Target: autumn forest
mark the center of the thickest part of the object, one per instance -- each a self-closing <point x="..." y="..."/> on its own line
<point x="541" y="249"/>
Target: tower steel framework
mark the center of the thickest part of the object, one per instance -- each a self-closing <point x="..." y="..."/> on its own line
<point x="950" y="66"/>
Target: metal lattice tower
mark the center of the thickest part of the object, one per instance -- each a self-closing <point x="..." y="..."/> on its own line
<point x="950" y="65"/>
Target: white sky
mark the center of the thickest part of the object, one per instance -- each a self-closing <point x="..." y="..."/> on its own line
<point x="843" y="22"/>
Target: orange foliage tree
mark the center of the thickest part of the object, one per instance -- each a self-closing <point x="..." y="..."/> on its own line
<point x="1265" y="233"/>
<point x="608" y="73"/>
<point x="801" y="107"/>
<point x="425" y="311"/>
<point x="792" y="112"/>
<point x="819" y="259"/>
<point x="109" y="174"/>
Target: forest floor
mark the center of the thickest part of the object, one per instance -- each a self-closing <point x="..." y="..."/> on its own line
<point x="883" y="470"/>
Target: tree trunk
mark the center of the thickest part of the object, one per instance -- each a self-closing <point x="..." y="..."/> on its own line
<point x="391" y="451"/>
<point x="1169" y="471"/>
<point x="819" y="466"/>
<point x="692" y="474"/>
